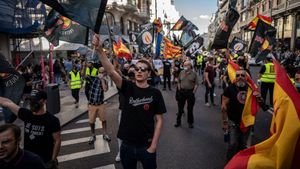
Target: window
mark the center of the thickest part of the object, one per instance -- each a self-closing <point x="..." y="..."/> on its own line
<point x="263" y="6"/>
<point x="279" y="2"/>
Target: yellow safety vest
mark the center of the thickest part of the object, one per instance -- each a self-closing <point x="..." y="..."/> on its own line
<point x="269" y="75"/>
<point x="75" y="82"/>
<point x="88" y="72"/>
<point x="219" y="59"/>
<point x="199" y="60"/>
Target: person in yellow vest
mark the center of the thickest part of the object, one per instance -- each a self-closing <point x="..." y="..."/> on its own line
<point x="75" y="83"/>
<point x="267" y="77"/>
<point x="88" y="71"/>
<point x="199" y="63"/>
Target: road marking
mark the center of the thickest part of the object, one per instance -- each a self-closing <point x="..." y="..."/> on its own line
<point x="98" y="125"/>
<point x="112" y="166"/>
<point x="79" y="140"/>
<point x="82" y="121"/>
<point x="100" y="147"/>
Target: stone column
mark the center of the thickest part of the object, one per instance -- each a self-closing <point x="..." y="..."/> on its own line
<point x="294" y="31"/>
<point x="5" y="46"/>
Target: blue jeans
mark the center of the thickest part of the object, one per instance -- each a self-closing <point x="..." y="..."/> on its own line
<point x="131" y="154"/>
<point x="14" y="93"/>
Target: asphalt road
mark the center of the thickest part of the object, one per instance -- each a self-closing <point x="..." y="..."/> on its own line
<point x="179" y="148"/>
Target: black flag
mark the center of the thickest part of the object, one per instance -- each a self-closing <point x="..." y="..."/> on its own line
<point x="259" y="36"/>
<point x="58" y="27"/>
<point x="145" y="39"/>
<point x="268" y="45"/>
<point x="225" y="28"/>
<point x="193" y="47"/>
<point x="88" y="13"/>
<point x="237" y="45"/>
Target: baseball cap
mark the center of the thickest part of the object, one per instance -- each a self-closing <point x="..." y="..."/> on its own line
<point x="38" y="95"/>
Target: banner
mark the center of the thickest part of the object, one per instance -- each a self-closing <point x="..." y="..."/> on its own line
<point x="237" y="45"/>
<point x="193" y="48"/>
<point x="225" y="28"/>
<point x="259" y="37"/>
<point x="58" y="27"/>
<point x="159" y="39"/>
<point x="88" y="13"/>
<point x="145" y="39"/>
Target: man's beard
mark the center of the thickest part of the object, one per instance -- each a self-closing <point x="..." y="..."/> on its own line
<point x="240" y="84"/>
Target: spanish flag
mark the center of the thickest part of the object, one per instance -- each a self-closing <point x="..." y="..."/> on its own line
<point x="170" y="50"/>
<point x="252" y="25"/>
<point x="282" y="149"/>
<point x="251" y="105"/>
<point x="121" y="50"/>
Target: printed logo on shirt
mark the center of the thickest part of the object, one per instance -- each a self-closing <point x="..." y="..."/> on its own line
<point x="146" y="107"/>
<point x="34" y="130"/>
<point x="241" y="97"/>
<point x="139" y="101"/>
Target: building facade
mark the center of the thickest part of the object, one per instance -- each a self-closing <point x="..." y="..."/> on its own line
<point x="285" y="15"/>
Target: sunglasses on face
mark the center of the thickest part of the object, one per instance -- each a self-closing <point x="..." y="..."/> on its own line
<point x="240" y="75"/>
<point x="142" y="69"/>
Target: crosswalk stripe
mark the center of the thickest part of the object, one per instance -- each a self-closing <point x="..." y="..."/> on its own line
<point x="100" y="145"/>
<point x="82" y="121"/>
<point x="79" y="140"/>
<point x="112" y="166"/>
<point x="98" y="125"/>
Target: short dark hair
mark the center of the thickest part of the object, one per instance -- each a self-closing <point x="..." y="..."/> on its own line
<point x="145" y="62"/>
<point x="16" y="129"/>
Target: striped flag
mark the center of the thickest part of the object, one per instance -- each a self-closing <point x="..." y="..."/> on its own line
<point x="252" y="25"/>
<point x="251" y="105"/>
<point x="282" y="149"/>
<point x="171" y="50"/>
<point x="121" y="50"/>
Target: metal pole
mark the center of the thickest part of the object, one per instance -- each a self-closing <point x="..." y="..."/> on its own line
<point x="155" y="9"/>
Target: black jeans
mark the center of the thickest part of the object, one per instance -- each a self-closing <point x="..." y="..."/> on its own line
<point x="131" y="154"/>
<point x="189" y="97"/>
<point x="75" y="94"/>
<point x="265" y="87"/>
<point x="169" y="81"/>
<point x="209" y="91"/>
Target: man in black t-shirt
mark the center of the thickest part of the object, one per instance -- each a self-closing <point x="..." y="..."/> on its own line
<point x="167" y="73"/>
<point x="11" y="155"/>
<point x="141" y="120"/>
<point x="41" y="129"/>
<point x="233" y="102"/>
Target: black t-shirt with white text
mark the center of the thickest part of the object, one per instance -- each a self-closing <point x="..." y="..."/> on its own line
<point x="237" y="101"/>
<point x="38" y="130"/>
<point x="137" y="120"/>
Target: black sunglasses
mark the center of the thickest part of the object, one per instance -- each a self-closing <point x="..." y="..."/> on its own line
<point x="142" y="69"/>
<point x="238" y="75"/>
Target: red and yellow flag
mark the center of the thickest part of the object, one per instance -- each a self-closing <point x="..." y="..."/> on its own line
<point x="252" y="25"/>
<point x="121" y="50"/>
<point x="282" y="149"/>
<point x="180" y="24"/>
<point x="251" y="105"/>
<point x="170" y="50"/>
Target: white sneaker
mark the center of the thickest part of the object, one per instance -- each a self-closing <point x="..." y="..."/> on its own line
<point x="118" y="158"/>
<point x="207" y="104"/>
<point x="215" y="95"/>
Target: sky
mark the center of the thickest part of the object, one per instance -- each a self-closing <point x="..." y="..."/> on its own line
<point x="197" y="11"/>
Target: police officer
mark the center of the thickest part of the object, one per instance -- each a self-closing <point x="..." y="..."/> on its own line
<point x="199" y="63"/>
<point x="267" y="77"/>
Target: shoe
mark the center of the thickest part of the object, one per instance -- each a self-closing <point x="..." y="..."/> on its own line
<point x="106" y="138"/>
<point x="118" y="158"/>
<point x="177" y="125"/>
<point x="215" y="95"/>
<point x="191" y="126"/>
<point x="207" y="104"/>
<point x="76" y="105"/>
<point x="92" y="140"/>
<point x="164" y="88"/>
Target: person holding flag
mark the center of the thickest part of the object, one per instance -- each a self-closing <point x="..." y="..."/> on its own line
<point x="234" y="100"/>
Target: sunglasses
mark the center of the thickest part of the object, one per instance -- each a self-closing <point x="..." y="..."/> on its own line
<point x="142" y="69"/>
<point x="240" y="75"/>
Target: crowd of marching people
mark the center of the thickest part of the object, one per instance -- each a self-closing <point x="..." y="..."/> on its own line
<point x="141" y="102"/>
